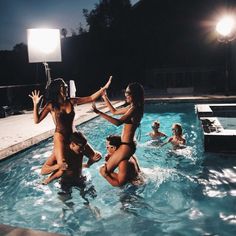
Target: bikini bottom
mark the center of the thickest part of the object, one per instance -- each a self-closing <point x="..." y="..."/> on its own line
<point x="132" y="146"/>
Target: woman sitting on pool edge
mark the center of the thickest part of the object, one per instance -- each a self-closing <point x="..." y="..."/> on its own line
<point x="177" y="140"/>
<point x="62" y="111"/>
<point x="131" y="118"/>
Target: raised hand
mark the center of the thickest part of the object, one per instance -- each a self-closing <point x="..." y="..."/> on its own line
<point x="35" y="97"/>
<point x="108" y="83"/>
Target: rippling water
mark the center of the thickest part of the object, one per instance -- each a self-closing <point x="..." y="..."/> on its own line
<point x="187" y="192"/>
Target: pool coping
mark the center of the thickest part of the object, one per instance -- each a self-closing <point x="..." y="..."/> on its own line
<point x="217" y="138"/>
<point x="45" y="131"/>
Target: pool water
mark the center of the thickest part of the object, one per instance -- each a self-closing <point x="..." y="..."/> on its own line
<point x="228" y="122"/>
<point x="186" y="192"/>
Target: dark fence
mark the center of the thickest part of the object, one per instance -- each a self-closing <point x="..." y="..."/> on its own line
<point x="197" y="80"/>
<point x="16" y="96"/>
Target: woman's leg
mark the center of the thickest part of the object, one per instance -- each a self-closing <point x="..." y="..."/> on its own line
<point x="57" y="174"/>
<point x="50" y="165"/>
<point x="124" y="152"/>
<point x="59" y="148"/>
<point x="117" y="179"/>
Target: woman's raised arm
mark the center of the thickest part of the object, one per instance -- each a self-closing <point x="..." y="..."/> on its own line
<point x="112" y="109"/>
<point x="36" y="97"/>
<point x="93" y="97"/>
<point x="113" y="120"/>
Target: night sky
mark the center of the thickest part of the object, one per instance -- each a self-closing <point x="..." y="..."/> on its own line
<point x="19" y="15"/>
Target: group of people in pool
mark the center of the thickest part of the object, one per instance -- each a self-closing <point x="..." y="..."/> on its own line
<point x="66" y="160"/>
<point x="177" y="140"/>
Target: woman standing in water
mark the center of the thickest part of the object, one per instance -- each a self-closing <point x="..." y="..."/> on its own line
<point x="131" y="118"/>
<point x="62" y="111"/>
<point x="177" y="140"/>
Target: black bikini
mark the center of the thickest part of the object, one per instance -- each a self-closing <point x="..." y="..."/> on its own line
<point x="132" y="146"/>
<point x="64" y="122"/>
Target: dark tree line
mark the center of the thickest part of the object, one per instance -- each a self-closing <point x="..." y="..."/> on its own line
<point x="126" y="41"/>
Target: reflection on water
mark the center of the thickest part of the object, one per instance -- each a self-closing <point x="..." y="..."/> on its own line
<point x="185" y="192"/>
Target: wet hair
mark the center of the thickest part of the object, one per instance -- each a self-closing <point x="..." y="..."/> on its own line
<point x="137" y="93"/>
<point x="178" y="128"/>
<point x="114" y="140"/>
<point x="155" y="124"/>
<point x="78" y="138"/>
<point x="53" y="91"/>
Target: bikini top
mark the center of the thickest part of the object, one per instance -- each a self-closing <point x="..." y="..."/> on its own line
<point x="133" y="120"/>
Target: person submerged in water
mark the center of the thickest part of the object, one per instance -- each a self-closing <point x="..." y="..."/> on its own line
<point x="71" y="173"/>
<point x="177" y="140"/>
<point x="62" y="110"/>
<point x="128" y="170"/>
<point x="156" y="134"/>
<point x="131" y="118"/>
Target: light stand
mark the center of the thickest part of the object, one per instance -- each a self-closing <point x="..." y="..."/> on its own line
<point x="44" y="45"/>
<point x="48" y="74"/>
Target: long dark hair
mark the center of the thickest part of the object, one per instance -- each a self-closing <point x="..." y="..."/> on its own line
<point x="53" y="92"/>
<point x="137" y="93"/>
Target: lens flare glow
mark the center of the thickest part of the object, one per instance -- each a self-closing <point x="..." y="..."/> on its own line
<point x="44" y="45"/>
<point x="225" y="26"/>
<point x="43" y="39"/>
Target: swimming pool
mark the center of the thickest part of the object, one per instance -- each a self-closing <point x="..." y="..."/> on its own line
<point x="188" y="193"/>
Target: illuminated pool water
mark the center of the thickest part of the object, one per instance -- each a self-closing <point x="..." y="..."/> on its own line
<point x="188" y="193"/>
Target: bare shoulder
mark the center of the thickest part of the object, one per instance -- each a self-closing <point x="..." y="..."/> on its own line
<point x="48" y="106"/>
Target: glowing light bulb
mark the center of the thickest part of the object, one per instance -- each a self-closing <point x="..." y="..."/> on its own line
<point x="225" y="26"/>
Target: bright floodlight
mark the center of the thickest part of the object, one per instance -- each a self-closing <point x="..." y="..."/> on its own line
<point x="225" y="26"/>
<point x="44" y="45"/>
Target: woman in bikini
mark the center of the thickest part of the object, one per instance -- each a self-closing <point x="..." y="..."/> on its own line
<point x="62" y="111"/>
<point x="177" y="140"/>
<point x="131" y="118"/>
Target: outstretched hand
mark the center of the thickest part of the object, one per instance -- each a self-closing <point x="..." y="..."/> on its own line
<point x="95" y="108"/>
<point x="108" y="83"/>
<point x="35" y="96"/>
